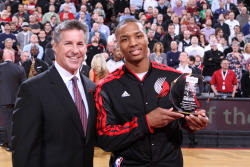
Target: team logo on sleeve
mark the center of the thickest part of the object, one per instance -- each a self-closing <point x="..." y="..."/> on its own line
<point x="161" y="87"/>
<point x="118" y="162"/>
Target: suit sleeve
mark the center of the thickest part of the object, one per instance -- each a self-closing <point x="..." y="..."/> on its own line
<point x="27" y="129"/>
<point x="113" y="136"/>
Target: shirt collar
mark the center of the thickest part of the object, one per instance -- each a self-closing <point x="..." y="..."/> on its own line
<point x="66" y="76"/>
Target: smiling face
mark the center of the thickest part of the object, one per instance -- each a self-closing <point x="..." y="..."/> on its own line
<point x="133" y="42"/>
<point x="71" y="49"/>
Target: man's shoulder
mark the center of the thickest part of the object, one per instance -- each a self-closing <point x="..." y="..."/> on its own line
<point x="163" y="67"/>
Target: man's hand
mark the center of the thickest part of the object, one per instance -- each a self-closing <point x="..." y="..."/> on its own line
<point x="199" y="122"/>
<point x="161" y="117"/>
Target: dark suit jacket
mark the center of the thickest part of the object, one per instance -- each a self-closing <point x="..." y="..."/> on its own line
<point x="47" y="130"/>
<point x="40" y="66"/>
<point x="11" y="77"/>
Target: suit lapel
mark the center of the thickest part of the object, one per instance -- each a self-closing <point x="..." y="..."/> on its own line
<point x="63" y="95"/>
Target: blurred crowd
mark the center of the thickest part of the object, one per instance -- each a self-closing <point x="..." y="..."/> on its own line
<point x="193" y="36"/>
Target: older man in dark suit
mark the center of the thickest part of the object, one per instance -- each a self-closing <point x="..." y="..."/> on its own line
<point x="11" y="77"/>
<point x="54" y="116"/>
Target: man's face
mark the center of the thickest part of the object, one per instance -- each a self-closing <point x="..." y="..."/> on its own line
<point x="25" y="56"/>
<point x="42" y="34"/>
<point x="231" y="16"/>
<point x="34" y="39"/>
<point x="150" y="34"/>
<point x="208" y="23"/>
<point x="117" y="53"/>
<point x="236" y="29"/>
<point x="51" y="8"/>
<point x="71" y="49"/>
<point x="150" y="10"/>
<point x="7" y="27"/>
<point x="173" y="45"/>
<point x="171" y="29"/>
<point x="240" y="37"/>
<point x="34" y="52"/>
<point x="20" y="8"/>
<point x="183" y="57"/>
<point x="224" y="64"/>
<point x="194" y="40"/>
<point x="133" y="42"/>
<point x="186" y="35"/>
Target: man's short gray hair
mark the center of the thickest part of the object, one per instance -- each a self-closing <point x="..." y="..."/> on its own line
<point x="70" y="25"/>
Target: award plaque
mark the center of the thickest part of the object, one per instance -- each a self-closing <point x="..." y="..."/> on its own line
<point x="184" y="91"/>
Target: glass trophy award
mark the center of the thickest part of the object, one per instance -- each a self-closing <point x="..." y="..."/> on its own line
<point x="184" y="91"/>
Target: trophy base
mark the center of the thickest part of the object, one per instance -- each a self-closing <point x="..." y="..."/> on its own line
<point x="187" y="113"/>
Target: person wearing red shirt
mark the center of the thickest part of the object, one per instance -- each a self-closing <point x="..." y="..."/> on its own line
<point x="223" y="82"/>
<point x="66" y="15"/>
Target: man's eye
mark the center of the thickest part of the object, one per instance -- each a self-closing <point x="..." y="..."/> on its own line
<point x="124" y="40"/>
<point x="139" y="36"/>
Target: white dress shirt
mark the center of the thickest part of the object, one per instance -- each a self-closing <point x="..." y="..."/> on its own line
<point x="67" y="79"/>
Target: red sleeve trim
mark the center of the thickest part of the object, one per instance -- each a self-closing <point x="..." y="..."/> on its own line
<point x="150" y="129"/>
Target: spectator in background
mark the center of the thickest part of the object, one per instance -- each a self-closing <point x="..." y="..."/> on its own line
<point x="126" y="14"/>
<point x="158" y="54"/>
<point x="116" y="60"/>
<point x="99" y="10"/>
<point x="220" y="10"/>
<point x="66" y="14"/>
<point x="208" y="30"/>
<point x="225" y="27"/>
<point x="92" y="49"/>
<point x="102" y="27"/>
<point x="245" y="82"/>
<point x="151" y="40"/>
<point x="224" y="82"/>
<point x="137" y="3"/>
<point x="178" y="8"/>
<point x="232" y="22"/>
<point x="34" y="41"/>
<point x="7" y="34"/>
<point x="163" y="6"/>
<point x="95" y="29"/>
<point x="83" y="9"/>
<point x="193" y="28"/>
<point x="23" y="57"/>
<point x="236" y="60"/>
<point x="231" y="7"/>
<point x="83" y="19"/>
<point x="195" y="70"/>
<point x="112" y="23"/>
<point x="240" y="38"/>
<point x="246" y="28"/>
<point x="169" y="37"/>
<point x="8" y="46"/>
<point x="246" y="52"/>
<point x="149" y="12"/>
<point x="149" y="3"/>
<point x="34" y="66"/>
<point x="98" y="69"/>
<point x="243" y="17"/>
<point x="160" y="22"/>
<point x="185" y="42"/>
<point x="23" y="37"/>
<point x="21" y="13"/>
<point x="194" y="49"/>
<point x="5" y="17"/>
<point x="173" y="55"/>
<point x="47" y="16"/>
<point x="71" y="6"/>
<point x="153" y="19"/>
<point x="49" y="56"/>
<point x="183" y="65"/>
<point x="211" y="61"/>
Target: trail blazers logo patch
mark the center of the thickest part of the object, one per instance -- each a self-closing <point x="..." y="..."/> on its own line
<point x="161" y="87"/>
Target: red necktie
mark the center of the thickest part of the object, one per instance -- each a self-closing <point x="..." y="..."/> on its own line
<point x="80" y="104"/>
